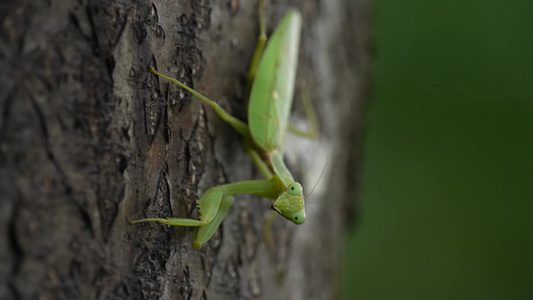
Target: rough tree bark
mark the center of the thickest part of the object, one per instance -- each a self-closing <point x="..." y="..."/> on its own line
<point x="90" y="140"/>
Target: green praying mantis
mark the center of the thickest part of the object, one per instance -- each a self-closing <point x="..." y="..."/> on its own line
<point x="271" y="78"/>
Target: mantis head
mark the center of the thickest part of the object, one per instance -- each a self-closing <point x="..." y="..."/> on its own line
<point x="290" y="204"/>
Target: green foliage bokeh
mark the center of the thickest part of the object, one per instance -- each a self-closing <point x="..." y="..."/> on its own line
<point x="446" y="209"/>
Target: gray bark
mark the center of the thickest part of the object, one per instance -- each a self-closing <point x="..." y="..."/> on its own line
<point x="90" y="140"/>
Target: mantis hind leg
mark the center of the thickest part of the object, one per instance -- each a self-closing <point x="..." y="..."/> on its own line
<point x="310" y="115"/>
<point x="260" y="44"/>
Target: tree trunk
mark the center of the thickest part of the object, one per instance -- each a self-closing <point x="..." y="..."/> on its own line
<point x="90" y="140"/>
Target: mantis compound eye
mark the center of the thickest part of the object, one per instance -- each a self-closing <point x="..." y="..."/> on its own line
<point x="298" y="217"/>
<point x="294" y="189"/>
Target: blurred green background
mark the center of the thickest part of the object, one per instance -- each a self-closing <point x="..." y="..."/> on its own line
<point x="446" y="210"/>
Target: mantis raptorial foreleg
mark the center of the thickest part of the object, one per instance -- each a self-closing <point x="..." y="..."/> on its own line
<point x="215" y="203"/>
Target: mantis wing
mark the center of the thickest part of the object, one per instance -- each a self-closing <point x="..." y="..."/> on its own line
<point x="273" y="86"/>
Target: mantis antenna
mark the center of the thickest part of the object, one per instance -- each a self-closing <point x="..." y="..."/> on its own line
<point x="320" y="177"/>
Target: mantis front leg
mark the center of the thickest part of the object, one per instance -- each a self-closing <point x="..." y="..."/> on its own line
<point x="215" y="204"/>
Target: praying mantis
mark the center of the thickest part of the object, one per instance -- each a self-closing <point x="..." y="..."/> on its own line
<point x="271" y="77"/>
